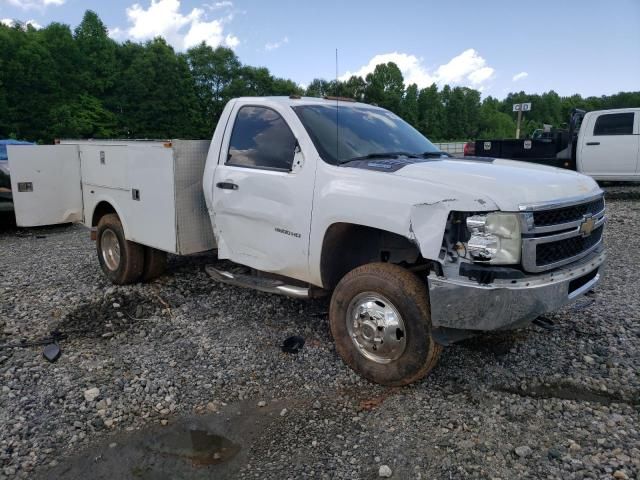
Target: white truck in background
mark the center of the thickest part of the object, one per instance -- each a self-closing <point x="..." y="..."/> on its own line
<point x="324" y="196"/>
<point x="604" y="144"/>
<point x="608" y="145"/>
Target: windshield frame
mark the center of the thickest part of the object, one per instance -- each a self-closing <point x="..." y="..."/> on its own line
<point x="329" y="157"/>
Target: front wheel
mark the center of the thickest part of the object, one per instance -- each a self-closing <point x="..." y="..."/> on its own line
<point x="381" y="324"/>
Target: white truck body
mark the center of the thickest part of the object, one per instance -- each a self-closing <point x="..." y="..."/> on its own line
<point x="70" y="182"/>
<point x="609" y="145"/>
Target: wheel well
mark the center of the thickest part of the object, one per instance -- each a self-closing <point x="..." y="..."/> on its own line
<point x="347" y="246"/>
<point x="102" y="209"/>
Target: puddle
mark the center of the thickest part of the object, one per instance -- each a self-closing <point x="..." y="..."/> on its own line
<point x="195" y="443"/>
<point x="195" y="447"/>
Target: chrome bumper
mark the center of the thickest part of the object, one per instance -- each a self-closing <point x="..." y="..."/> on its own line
<point x="462" y="303"/>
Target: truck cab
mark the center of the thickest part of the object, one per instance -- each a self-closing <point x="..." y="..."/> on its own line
<point x="346" y="198"/>
<point x="608" y="145"/>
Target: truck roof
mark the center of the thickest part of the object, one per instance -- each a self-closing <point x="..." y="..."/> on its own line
<point x="293" y="101"/>
<point x="614" y="110"/>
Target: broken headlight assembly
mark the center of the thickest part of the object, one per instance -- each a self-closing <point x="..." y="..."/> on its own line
<point x="495" y="238"/>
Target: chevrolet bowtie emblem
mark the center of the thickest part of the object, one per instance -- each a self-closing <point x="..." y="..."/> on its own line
<point x="586" y="227"/>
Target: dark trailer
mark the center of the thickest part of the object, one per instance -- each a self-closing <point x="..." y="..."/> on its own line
<point x="555" y="149"/>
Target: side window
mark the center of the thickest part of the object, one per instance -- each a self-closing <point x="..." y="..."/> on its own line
<point x="261" y="139"/>
<point x="614" y="124"/>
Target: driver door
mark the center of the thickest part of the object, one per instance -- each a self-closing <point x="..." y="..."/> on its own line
<point x="262" y="193"/>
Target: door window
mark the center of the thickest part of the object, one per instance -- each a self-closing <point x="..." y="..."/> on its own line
<point x="614" y="124"/>
<point x="261" y="139"/>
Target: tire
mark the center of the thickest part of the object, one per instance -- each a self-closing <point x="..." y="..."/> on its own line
<point x="384" y="290"/>
<point x="122" y="261"/>
<point x="155" y="263"/>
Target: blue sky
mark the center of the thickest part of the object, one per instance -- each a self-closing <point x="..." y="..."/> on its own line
<point x="579" y="46"/>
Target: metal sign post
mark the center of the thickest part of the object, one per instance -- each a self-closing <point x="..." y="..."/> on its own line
<point x="520" y="107"/>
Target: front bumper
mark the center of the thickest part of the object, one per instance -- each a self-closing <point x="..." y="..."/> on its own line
<point x="465" y="304"/>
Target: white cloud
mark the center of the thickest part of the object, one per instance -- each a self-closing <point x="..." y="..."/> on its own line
<point x="411" y="67"/>
<point x="275" y="45"/>
<point x="218" y="5"/>
<point x="116" y="33"/>
<point x="207" y="32"/>
<point x="34" y="4"/>
<point x="468" y="68"/>
<point x="11" y="23"/>
<point x="480" y="76"/>
<point x="182" y="30"/>
<point x="520" y="76"/>
<point x="231" y="41"/>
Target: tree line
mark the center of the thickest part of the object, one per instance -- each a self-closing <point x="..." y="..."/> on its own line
<point x="59" y="83"/>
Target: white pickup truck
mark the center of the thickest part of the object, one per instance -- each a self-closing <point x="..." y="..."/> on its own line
<point x="323" y="196"/>
<point x="604" y="144"/>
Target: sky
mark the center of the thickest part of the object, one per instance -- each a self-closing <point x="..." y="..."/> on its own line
<point x="571" y="46"/>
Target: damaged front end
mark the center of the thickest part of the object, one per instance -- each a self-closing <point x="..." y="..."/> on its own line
<point x="485" y="283"/>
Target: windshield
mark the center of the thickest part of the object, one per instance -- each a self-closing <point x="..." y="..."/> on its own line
<point x="361" y="132"/>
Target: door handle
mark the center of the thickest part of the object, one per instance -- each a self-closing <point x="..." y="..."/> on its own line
<point x="593" y="143"/>
<point x="227" y="185"/>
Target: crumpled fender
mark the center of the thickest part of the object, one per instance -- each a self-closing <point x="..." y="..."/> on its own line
<point x="427" y="221"/>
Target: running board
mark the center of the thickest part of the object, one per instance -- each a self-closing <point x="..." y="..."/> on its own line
<point x="263" y="284"/>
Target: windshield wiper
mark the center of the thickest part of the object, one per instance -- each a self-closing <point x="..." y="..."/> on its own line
<point x="381" y="155"/>
<point x="434" y="154"/>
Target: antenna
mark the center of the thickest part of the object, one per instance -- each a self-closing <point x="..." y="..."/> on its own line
<point x="337" y="117"/>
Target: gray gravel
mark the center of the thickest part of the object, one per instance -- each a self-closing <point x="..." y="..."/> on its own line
<point x="141" y="360"/>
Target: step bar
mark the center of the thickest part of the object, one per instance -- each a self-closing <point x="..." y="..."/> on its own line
<point x="262" y="284"/>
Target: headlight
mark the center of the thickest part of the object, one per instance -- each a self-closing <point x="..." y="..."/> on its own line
<point x="495" y="238"/>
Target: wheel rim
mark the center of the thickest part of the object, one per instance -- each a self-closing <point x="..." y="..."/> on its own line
<point x="110" y="247"/>
<point x="376" y="327"/>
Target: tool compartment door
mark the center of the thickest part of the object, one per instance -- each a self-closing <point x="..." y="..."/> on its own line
<point x="46" y="184"/>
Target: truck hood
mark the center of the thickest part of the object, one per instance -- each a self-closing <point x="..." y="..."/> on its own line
<point x="507" y="183"/>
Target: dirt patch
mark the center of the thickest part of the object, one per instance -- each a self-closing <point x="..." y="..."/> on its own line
<point x="497" y="344"/>
<point x="112" y="315"/>
<point x="566" y="391"/>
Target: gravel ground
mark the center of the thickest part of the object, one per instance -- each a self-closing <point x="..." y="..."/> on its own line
<point x="143" y="364"/>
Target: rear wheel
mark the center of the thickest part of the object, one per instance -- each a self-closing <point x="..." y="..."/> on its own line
<point x="122" y="261"/>
<point x="380" y="321"/>
<point x="155" y="263"/>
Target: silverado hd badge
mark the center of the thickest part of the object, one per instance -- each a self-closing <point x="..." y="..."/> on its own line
<point x="287" y="232"/>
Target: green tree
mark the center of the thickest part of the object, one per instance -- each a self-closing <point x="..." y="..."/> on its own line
<point x="84" y="117"/>
<point x="431" y="113"/>
<point x="283" y="86"/>
<point x="97" y="51"/>
<point x="156" y="93"/>
<point x="251" y="82"/>
<point x="354" y="88"/>
<point x="212" y="71"/>
<point x="492" y="122"/>
<point x="410" y="105"/>
<point x="318" y="88"/>
<point x="385" y="87"/>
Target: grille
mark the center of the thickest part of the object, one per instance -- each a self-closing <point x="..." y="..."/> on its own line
<point x="552" y="252"/>
<point x="567" y="214"/>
